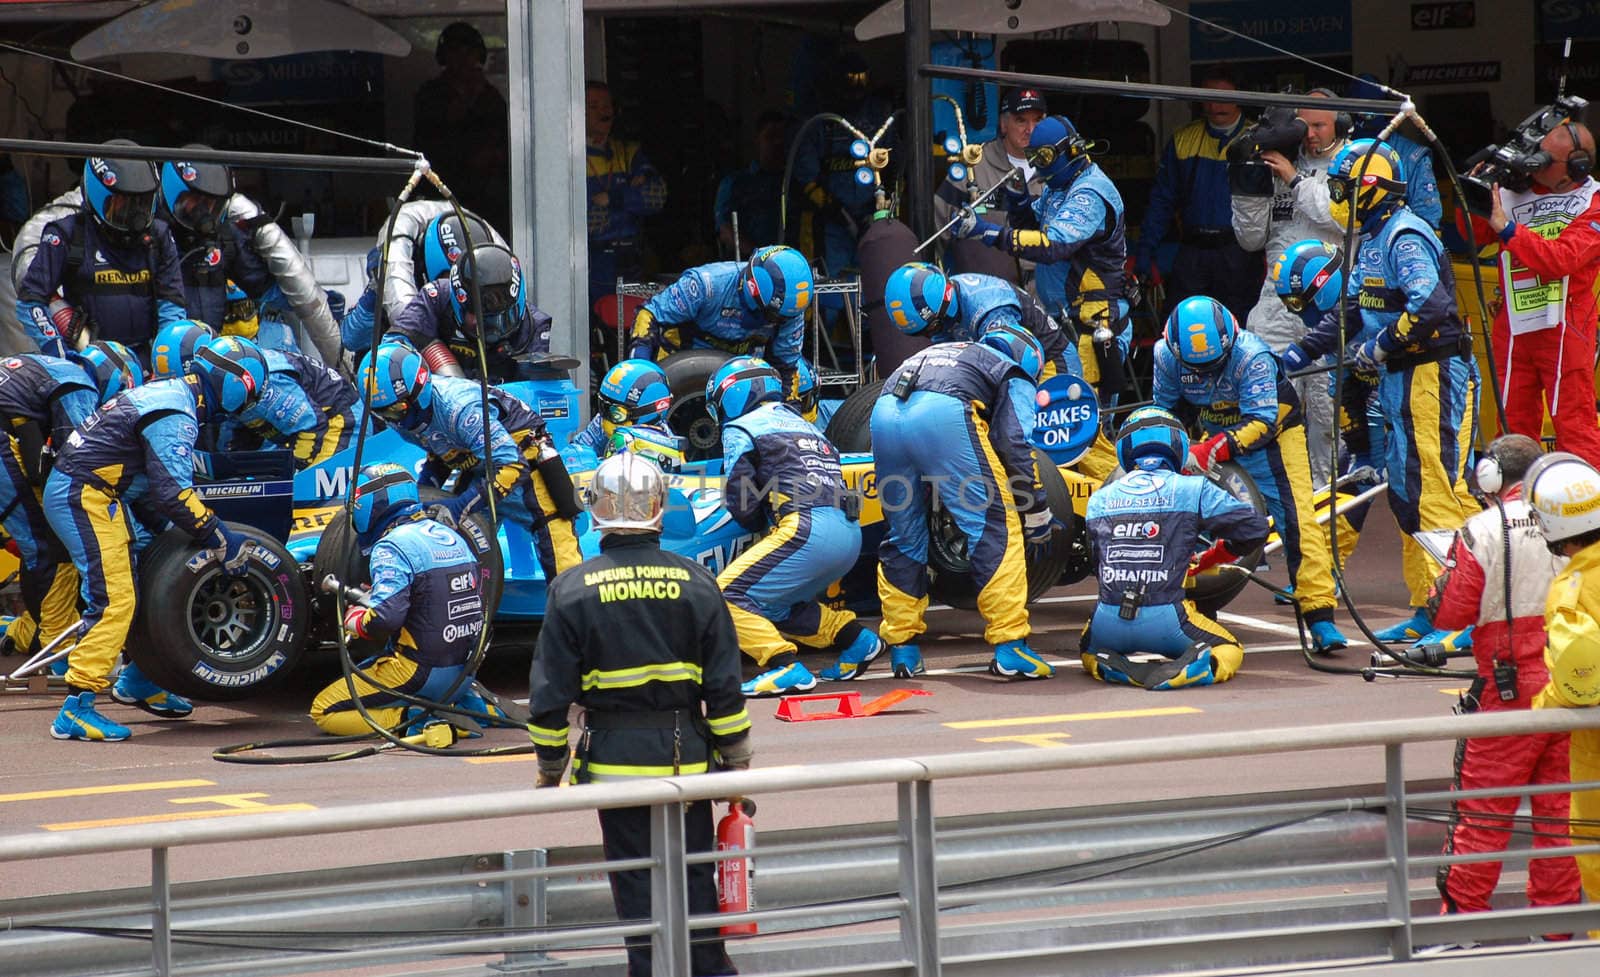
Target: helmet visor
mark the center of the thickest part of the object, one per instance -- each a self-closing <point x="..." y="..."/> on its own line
<point x="393" y="413"/>
<point x="1296" y="303"/>
<point x="1340" y="188"/>
<point x="129" y="211"/>
<point x="200" y="211"/>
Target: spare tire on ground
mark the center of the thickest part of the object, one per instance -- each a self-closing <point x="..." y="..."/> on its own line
<point x="687" y="373"/>
<point x="206" y="635"/>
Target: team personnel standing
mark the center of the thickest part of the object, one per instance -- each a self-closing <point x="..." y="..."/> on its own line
<point x="510" y="327"/>
<point x="445" y="417"/>
<point x="1499" y="555"/>
<point x="1249" y="413"/>
<point x="782" y="472"/>
<point x="426" y="602"/>
<point x="754" y="308"/>
<point x="212" y="250"/>
<point x="642" y="640"/>
<point x="141" y="443"/>
<point x="1074" y="231"/>
<point x="923" y="301"/>
<point x="307" y="407"/>
<point x="1145" y="531"/>
<point x="1544" y="333"/>
<point x="957" y="417"/>
<point x="1565" y="494"/>
<point x="1192" y="188"/>
<point x="1020" y="110"/>
<point x="114" y="262"/>
<point x="623" y="188"/>
<point x="1403" y="292"/>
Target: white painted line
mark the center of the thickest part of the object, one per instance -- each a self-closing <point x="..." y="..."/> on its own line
<point x="1244" y="620"/>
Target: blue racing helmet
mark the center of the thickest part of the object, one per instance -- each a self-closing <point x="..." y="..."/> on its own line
<point x="918" y="296"/>
<point x="121" y="193"/>
<point x="501" y="289"/>
<point x="634" y="392"/>
<point x="396" y="378"/>
<point x="112" y="366"/>
<point x="806" y="388"/>
<point x="196" y="194"/>
<point x="777" y="281"/>
<point x="1018" y="345"/>
<point x="739" y="385"/>
<point x="1379" y="171"/>
<point x="1309" y="276"/>
<point x="1057" y="151"/>
<point x="442" y="243"/>
<point x="173" y="350"/>
<point x="1200" y="332"/>
<point x="233" y="372"/>
<point x="380" y="489"/>
<point x="1152" y="438"/>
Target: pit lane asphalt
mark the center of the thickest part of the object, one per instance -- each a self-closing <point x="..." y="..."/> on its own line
<point x="165" y="772"/>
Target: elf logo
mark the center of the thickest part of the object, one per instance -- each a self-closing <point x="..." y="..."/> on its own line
<point x="1136" y="530"/>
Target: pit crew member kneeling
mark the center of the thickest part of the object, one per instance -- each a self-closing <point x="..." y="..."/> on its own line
<point x="782" y="471"/>
<point x="141" y="443"/>
<point x="634" y="397"/>
<point x="1249" y="412"/>
<point x="1144" y="529"/>
<point x="426" y="599"/>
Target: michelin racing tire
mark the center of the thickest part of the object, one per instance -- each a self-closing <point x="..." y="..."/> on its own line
<point x="850" y="428"/>
<point x="687" y="373"/>
<point x="208" y="636"/>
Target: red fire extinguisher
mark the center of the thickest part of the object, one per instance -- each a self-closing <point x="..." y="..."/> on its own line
<point x="736" y="832"/>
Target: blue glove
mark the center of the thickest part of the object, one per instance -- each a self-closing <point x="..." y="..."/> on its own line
<point x="458" y="506"/>
<point x="1369" y="357"/>
<point x="231" y="543"/>
<point x="1038" y="527"/>
<point x="1294" y="358"/>
<point x="335" y="304"/>
<point x="970" y="226"/>
<point x="1015" y="195"/>
<point x="374" y="258"/>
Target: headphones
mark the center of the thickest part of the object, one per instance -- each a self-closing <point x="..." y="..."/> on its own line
<point x="1579" y="163"/>
<point x="1488" y="475"/>
<point x="1343" y="122"/>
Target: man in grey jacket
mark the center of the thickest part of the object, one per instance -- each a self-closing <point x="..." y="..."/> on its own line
<point x="1020" y="110"/>
<point x="1297" y="209"/>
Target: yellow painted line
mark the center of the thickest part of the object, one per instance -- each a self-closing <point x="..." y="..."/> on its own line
<point x="1029" y="739"/>
<point x="45" y="795"/>
<point x="514" y="758"/>
<point x="1074" y="717"/>
<point x="232" y="804"/>
<point x="1460" y="691"/>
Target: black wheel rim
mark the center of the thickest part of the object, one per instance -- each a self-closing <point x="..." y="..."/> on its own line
<point x="231" y="617"/>
<point x="690" y="420"/>
<point x="948" y="543"/>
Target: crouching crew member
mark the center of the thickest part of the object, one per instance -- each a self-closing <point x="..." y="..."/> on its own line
<point x="1499" y="555"/>
<point x="1145" y="529"/>
<point x="781" y="472"/>
<point x="141" y="443"/>
<point x="642" y="640"/>
<point x="444" y="416"/>
<point x="1249" y="412"/>
<point x="923" y="301"/>
<point x="426" y="600"/>
<point x="634" y="397"/>
<point x="308" y="407"/>
<point x="957" y="417"/>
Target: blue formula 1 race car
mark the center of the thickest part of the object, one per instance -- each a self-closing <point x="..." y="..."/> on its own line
<point x="213" y="637"/>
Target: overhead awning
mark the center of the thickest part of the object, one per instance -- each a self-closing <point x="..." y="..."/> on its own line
<point x="999" y="18"/>
<point x="239" y="29"/>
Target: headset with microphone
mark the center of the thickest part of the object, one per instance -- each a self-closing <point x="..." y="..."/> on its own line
<point x="1343" y="122"/>
<point x="1579" y="161"/>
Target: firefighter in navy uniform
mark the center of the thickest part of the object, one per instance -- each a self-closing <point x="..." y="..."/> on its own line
<point x="1144" y="529"/>
<point x="641" y="639"/>
<point x="114" y="262"/>
<point x="426" y="599"/>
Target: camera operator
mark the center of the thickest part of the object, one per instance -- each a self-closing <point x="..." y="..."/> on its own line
<point x="1273" y="212"/>
<point x="1544" y="334"/>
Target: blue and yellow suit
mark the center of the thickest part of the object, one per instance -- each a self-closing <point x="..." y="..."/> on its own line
<point x="1249" y="399"/>
<point x="427" y="598"/>
<point x="1404" y="295"/>
<point x="705" y="309"/>
<point x="634" y="190"/>
<point x="139" y="445"/>
<point x="955" y="419"/>
<point x="307" y="407"/>
<point x="429" y="316"/>
<point x="782" y="472"/>
<point x="653" y="441"/>
<point x="53" y="396"/>
<point x="127" y="293"/>
<point x="1144" y="528"/>
<point x="984" y="301"/>
<point x="453" y="433"/>
<point x="825" y="171"/>
<point x="207" y="265"/>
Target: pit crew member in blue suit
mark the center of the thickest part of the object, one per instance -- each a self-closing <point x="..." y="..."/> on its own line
<point x="923" y="301"/>
<point x="426" y="600"/>
<point x="1145" y="529"/>
<point x="782" y="472"/>
<point x="241" y="316"/>
<point x="1249" y="412"/>
<point x="1404" y="296"/>
<point x="114" y="262"/>
<point x="172" y="351"/>
<point x="1074" y="230"/>
<point x="958" y="417"/>
<point x="444" y="416"/>
<point x="634" y="397"/>
<point x="214" y="253"/>
<point x="141" y="443"/>
<point x="42" y="400"/>
<point x="754" y="307"/>
<point x="308" y="407"/>
<point x="442" y="310"/>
